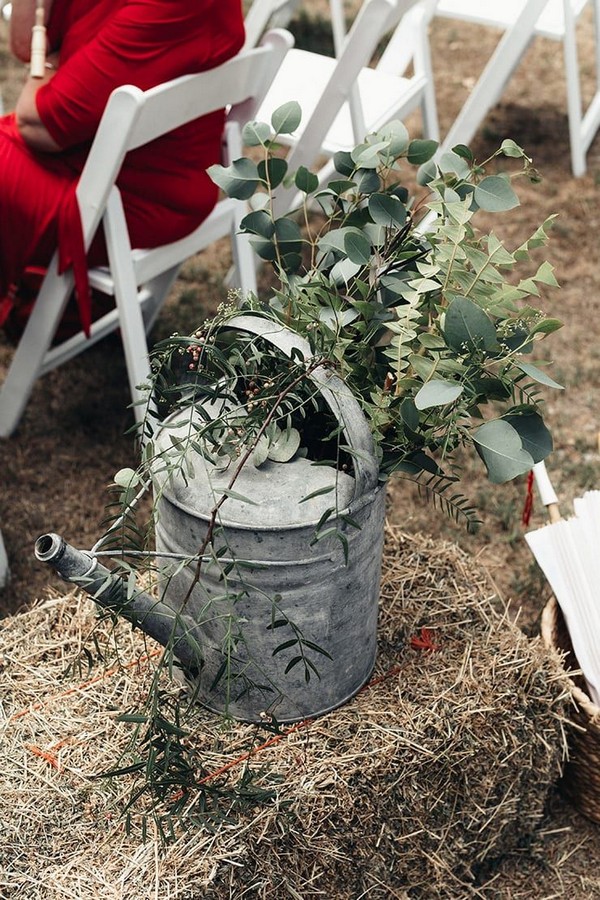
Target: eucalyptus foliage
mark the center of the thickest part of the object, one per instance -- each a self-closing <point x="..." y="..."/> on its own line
<point x="431" y="323"/>
<point x="429" y="320"/>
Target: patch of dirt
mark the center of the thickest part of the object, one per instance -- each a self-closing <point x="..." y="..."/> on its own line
<point x="72" y="438"/>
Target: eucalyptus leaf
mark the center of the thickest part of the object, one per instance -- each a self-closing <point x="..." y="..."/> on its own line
<point x="437" y="393"/>
<point x="343" y="162"/>
<point x="127" y="478"/>
<point x="545" y="274"/>
<point x="258" y="222"/>
<point x="546" y="326"/>
<point x="367" y="155"/>
<point x="535" y="437"/>
<point x="420" y="152"/>
<point x="454" y="163"/>
<point x="235" y="495"/>
<point x="273" y="171"/>
<point x="467" y="326"/>
<point x="395" y="134"/>
<point x="426" y="173"/>
<point x="502" y="451"/>
<point x="409" y="413"/>
<point x="306" y="181"/>
<point x="357" y="246"/>
<point x="285" y="446"/>
<point x="387" y="210"/>
<point x="464" y="152"/>
<point x="260" y="452"/>
<point x="239" y="180"/>
<point x="344" y="271"/>
<point x="495" y="194"/>
<point x="337" y="318"/>
<point x="367" y="181"/>
<point x="286" y="118"/>
<point x="264" y="248"/>
<point x="509" y="148"/>
<point x="332" y="240"/>
<point x="340" y="187"/>
<point x="431" y="341"/>
<point x="538" y="375"/>
<point x="288" y="234"/>
<point x="255" y="134"/>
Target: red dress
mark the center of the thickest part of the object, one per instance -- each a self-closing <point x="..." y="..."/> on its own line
<point x="103" y="44"/>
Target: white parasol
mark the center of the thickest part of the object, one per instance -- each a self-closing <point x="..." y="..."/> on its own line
<point x="568" y="552"/>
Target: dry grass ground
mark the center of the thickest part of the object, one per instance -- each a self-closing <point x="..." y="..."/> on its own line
<point x="54" y="471"/>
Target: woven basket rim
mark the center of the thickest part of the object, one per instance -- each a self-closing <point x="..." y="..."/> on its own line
<point x="548" y="629"/>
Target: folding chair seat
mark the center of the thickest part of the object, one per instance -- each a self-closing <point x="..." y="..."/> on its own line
<point x="555" y="20"/>
<point x="342" y="98"/>
<point x="139" y="279"/>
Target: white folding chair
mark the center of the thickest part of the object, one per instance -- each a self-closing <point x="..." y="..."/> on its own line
<point x="265" y="14"/>
<point x="521" y="21"/>
<point x="140" y="279"/>
<point x="343" y="99"/>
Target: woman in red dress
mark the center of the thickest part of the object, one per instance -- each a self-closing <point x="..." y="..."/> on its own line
<point x="93" y="47"/>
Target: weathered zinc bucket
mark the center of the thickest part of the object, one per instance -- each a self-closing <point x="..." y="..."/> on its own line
<point x="291" y="633"/>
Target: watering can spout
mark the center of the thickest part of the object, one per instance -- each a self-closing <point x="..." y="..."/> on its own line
<point x="157" y="619"/>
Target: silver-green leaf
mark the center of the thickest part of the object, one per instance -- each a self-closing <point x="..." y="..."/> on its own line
<point x="286" y="118"/>
<point x="437" y="392"/>
<point x="495" y="194"/>
<point x="502" y="451"/>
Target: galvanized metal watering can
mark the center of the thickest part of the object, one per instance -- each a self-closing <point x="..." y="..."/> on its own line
<point x="305" y="589"/>
<point x="276" y="625"/>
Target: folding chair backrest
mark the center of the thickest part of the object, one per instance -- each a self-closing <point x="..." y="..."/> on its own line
<point x="134" y="117"/>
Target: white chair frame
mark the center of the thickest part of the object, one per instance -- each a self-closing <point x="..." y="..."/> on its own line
<point x="347" y="77"/>
<point x="265" y="14"/>
<point x="140" y="279"/>
<point x="521" y="21"/>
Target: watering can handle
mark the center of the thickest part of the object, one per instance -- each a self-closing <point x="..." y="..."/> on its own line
<point x="336" y="394"/>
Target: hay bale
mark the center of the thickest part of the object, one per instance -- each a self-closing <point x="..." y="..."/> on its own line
<point x="434" y="772"/>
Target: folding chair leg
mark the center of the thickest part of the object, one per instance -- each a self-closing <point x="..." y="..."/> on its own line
<point x="157" y="289"/>
<point x="431" y="127"/>
<point x="582" y="127"/>
<point x="574" y="107"/>
<point x="133" y="332"/>
<point x="28" y="359"/>
<point x="243" y="254"/>
<point x="498" y="70"/>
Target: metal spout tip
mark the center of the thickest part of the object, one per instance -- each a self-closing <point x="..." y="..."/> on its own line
<point x="49" y="547"/>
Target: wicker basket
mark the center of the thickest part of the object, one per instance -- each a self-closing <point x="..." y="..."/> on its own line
<point x="581" y="779"/>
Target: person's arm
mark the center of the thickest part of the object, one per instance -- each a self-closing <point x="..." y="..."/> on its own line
<point x="29" y="123"/>
<point x="144" y="43"/>
<point x="22" y="20"/>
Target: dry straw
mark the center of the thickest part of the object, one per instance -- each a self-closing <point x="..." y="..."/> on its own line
<point x="416" y="788"/>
